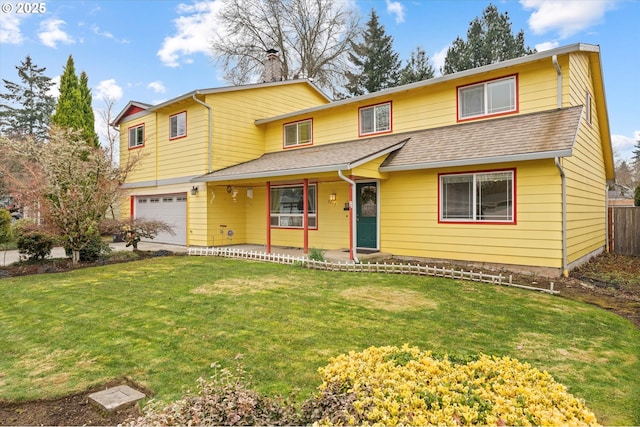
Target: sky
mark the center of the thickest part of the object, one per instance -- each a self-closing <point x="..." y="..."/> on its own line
<point x="154" y="50"/>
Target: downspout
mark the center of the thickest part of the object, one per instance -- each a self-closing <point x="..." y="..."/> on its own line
<point x="554" y="58"/>
<point x="354" y="233"/>
<point x="208" y="107"/>
<point x="565" y="269"/>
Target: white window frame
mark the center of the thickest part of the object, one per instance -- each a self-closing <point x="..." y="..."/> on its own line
<point x="138" y="141"/>
<point x="473" y="208"/>
<point x="377" y="126"/>
<point x="295" y="217"/>
<point x="296" y="126"/>
<point x="180" y="126"/>
<point x="485" y="89"/>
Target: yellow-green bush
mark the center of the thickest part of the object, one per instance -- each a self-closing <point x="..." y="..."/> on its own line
<point x="395" y="386"/>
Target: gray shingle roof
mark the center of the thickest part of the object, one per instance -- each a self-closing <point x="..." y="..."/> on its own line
<point x="532" y="136"/>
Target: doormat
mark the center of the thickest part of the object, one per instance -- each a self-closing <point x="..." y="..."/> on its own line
<point x="364" y="251"/>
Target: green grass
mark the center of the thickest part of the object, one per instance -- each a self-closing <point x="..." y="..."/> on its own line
<point x="162" y="322"/>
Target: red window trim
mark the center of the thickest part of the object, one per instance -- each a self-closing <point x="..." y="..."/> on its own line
<point x="360" y="134"/>
<point x="284" y="146"/>
<point x="185" y="126"/>
<point x="515" y="198"/>
<point x="144" y="131"/>
<point x="484" y="116"/>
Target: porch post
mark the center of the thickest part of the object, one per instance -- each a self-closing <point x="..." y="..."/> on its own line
<point x="305" y="215"/>
<point x="268" y="217"/>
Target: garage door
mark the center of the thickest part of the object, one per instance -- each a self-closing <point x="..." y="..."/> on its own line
<point x="170" y="208"/>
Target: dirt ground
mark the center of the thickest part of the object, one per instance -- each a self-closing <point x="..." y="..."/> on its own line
<point x="609" y="281"/>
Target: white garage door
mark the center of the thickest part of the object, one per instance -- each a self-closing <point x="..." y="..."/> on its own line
<point x="170" y="208"/>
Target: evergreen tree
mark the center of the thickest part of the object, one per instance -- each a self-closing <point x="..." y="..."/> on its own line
<point x="74" y="109"/>
<point x="636" y="153"/>
<point x="88" y="128"/>
<point x="26" y="107"/>
<point x="489" y="40"/>
<point x="374" y="57"/>
<point x="417" y="68"/>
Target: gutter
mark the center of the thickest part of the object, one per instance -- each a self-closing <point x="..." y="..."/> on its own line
<point x="354" y="233"/>
<point x="208" y="107"/>
<point x="565" y="269"/>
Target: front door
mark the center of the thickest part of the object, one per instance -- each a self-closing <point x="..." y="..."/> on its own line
<point x="367" y="215"/>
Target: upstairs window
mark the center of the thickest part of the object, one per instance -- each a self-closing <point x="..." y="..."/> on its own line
<point x="477" y="197"/>
<point x="588" y="108"/>
<point x="136" y="136"/>
<point x="488" y="98"/>
<point x="178" y="125"/>
<point x="287" y="206"/>
<point x="298" y="133"/>
<point x="375" y="119"/>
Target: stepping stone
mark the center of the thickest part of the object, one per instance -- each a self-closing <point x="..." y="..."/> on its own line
<point x="116" y="397"/>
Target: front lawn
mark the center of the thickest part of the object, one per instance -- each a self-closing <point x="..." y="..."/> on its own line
<point x="162" y="323"/>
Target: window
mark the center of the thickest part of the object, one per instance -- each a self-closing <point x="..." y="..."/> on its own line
<point x="488" y="98"/>
<point x="477" y="197"/>
<point x="297" y="133"/>
<point x="136" y="136"/>
<point x="178" y="125"/>
<point x="375" y="119"/>
<point x="588" y="108"/>
<point x="287" y="206"/>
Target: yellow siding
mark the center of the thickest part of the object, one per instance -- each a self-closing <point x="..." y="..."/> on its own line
<point x="422" y="108"/>
<point x="409" y="215"/>
<point x="586" y="182"/>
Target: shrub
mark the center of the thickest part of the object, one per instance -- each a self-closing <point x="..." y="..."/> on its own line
<point x="222" y="400"/>
<point x="5" y="226"/>
<point x="32" y="241"/>
<point x="316" y="254"/>
<point x="636" y="197"/>
<point x="391" y="386"/>
<point x="95" y="249"/>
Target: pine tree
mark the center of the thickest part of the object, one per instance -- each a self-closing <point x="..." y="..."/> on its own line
<point x="374" y="57"/>
<point x="74" y="109"/>
<point x="26" y="108"/>
<point x="417" y="68"/>
<point x="489" y="40"/>
<point x="636" y="153"/>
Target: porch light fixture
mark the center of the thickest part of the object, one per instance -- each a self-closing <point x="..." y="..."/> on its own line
<point x="194" y="190"/>
<point x="332" y="198"/>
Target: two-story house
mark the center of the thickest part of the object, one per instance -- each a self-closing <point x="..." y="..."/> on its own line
<point x="506" y="164"/>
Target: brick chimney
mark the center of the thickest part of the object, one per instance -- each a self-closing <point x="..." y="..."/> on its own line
<point x="272" y="67"/>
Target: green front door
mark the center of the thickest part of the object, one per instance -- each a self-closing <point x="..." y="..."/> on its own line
<point x="367" y="215"/>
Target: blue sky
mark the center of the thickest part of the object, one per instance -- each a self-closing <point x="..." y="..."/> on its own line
<point x="154" y="50"/>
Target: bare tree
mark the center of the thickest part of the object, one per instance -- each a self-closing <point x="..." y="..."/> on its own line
<point x="312" y="37"/>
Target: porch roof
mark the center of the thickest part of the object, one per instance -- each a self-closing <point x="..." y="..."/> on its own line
<point x="316" y="159"/>
<point x="540" y="135"/>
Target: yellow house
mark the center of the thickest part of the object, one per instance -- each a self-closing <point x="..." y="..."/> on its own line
<point x="506" y="164"/>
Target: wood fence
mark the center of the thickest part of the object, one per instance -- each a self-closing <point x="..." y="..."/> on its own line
<point x="417" y="270"/>
<point x="624" y="230"/>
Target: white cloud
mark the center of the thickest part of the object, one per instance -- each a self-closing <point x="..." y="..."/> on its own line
<point x="623" y="145"/>
<point x="55" y="88"/>
<point x="540" y="47"/>
<point x="10" y="28"/>
<point x="396" y="8"/>
<point x="108" y="89"/>
<point x="195" y="29"/>
<point x="51" y="33"/>
<point x="157" y="87"/>
<point x="566" y="17"/>
<point x="438" y="59"/>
